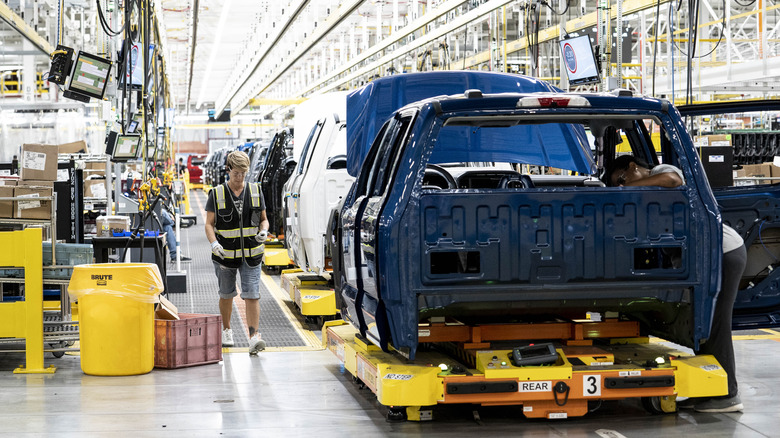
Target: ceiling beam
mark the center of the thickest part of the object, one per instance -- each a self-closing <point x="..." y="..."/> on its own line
<point x="192" y="50"/>
<point x="451" y="26"/>
<point x="24" y="29"/>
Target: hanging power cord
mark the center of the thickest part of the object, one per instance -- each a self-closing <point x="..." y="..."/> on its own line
<point x="104" y="23"/>
<point x="690" y="54"/>
<point x="544" y="3"/>
<point x="655" y="40"/>
<point x="532" y="16"/>
<point x="146" y="209"/>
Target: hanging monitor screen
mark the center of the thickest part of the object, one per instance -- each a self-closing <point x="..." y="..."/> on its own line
<point x="134" y="66"/>
<point x="135" y="124"/>
<point x="123" y="147"/>
<point x="90" y="75"/>
<point x="579" y="61"/>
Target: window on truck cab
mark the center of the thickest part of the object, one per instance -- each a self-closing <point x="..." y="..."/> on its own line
<point x="382" y="157"/>
<point x="314" y="136"/>
<point x="564" y="143"/>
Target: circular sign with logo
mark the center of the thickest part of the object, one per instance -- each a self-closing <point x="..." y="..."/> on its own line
<point x="569" y="58"/>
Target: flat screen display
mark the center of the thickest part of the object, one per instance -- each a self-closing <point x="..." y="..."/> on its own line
<point x="126" y="147"/>
<point x="134" y="68"/>
<point x="90" y="75"/>
<point x="579" y="61"/>
<point x="135" y="124"/>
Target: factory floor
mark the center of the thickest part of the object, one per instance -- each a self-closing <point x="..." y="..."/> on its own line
<point x="297" y="388"/>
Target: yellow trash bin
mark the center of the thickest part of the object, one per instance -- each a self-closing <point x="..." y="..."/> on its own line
<point x="116" y="316"/>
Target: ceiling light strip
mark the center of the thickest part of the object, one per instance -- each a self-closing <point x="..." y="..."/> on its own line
<point x="223" y="16"/>
<point x="333" y="21"/>
<point x="226" y="97"/>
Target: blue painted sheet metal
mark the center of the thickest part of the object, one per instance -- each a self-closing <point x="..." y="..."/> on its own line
<point x="553" y="245"/>
<point x="370" y="106"/>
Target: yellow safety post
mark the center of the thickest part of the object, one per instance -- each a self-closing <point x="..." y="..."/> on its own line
<point x="186" y="200"/>
<point x="24" y="319"/>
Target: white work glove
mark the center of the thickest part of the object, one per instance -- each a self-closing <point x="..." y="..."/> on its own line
<point x="262" y="236"/>
<point x="217" y="249"/>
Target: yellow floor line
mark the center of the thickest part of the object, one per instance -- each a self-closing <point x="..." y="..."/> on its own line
<point x="771" y="332"/>
<point x="775" y="336"/>
<point x="753" y="337"/>
<point x="283" y="299"/>
<point x="245" y="350"/>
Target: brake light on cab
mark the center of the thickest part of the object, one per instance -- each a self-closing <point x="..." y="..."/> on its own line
<point x="553" y="101"/>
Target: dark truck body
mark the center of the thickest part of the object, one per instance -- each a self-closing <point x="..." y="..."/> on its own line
<point x="278" y="165"/>
<point x="419" y="237"/>
<point x="754" y="212"/>
<point x="408" y="252"/>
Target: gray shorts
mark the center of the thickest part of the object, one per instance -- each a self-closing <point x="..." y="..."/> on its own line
<point x="250" y="281"/>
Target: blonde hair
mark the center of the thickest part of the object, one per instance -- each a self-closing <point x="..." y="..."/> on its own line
<point x="238" y="160"/>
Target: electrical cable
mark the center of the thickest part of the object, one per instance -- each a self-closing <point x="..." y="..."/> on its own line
<point x="722" y="26"/>
<point x="104" y="24"/>
<point x="564" y="11"/>
<point x="760" y="239"/>
<point x="655" y="40"/>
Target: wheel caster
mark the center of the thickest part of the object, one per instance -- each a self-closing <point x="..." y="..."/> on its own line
<point x="396" y="414"/>
<point x="659" y="405"/>
<point x="58" y="354"/>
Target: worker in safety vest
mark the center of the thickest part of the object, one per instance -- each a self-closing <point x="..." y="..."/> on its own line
<point x="237" y="227"/>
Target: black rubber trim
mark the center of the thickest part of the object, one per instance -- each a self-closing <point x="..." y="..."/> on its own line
<point x="638" y="382"/>
<point x="482" y="387"/>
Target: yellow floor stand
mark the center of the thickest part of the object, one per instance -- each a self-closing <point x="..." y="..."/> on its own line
<point x="24" y="319"/>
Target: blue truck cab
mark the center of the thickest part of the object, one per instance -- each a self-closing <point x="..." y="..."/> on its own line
<point x="487" y="205"/>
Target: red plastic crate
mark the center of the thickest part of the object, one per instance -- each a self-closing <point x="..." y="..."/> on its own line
<point x="192" y="340"/>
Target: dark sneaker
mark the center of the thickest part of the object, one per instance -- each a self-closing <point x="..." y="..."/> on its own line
<point x="691" y="402"/>
<point x="720" y="405"/>
<point x="183" y="259"/>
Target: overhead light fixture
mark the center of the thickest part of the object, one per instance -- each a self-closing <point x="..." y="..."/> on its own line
<point x="223" y="16"/>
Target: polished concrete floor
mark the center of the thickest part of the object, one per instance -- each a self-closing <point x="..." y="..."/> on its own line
<point x="296" y="388"/>
<point x="307" y="393"/>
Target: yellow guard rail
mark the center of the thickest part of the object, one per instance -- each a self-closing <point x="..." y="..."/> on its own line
<point x="24" y="319"/>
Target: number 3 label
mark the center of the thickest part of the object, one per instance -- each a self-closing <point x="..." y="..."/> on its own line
<point x="591" y="385"/>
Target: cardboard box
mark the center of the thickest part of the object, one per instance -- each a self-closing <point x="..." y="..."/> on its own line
<point x="713" y="140"/>
<point x="35" y="183"/>
<point x="38" y="162"/>
<point x="95" y="165"/>
<point x="106" y="225"/>
<point x="5" y="181"/>
<point x="757" y="171"/>
<point x="76" y="147"/>
<point x="6" y="207"/>
<point x="166" y="310"/>
<point x="32" y="208"/>
<point x="90" y="173"/>
<point x="95" y="188"/>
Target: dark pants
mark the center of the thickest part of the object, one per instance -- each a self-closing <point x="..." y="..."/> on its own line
<point x="719" y="344"/>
